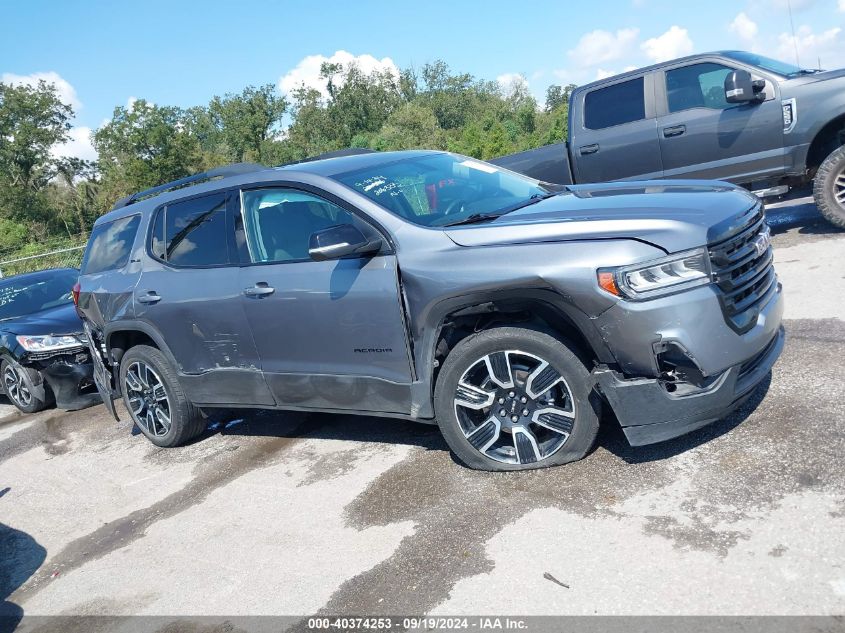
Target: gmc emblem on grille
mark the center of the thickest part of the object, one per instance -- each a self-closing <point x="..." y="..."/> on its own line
<point x="761" y="242"/>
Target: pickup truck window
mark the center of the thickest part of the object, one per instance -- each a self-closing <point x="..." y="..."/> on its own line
<point x="697" y="86"/>
<point x="617" y="104"/>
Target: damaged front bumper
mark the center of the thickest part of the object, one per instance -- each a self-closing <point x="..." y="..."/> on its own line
<point x="648" y="412"/>
<point x="69" y="377"/>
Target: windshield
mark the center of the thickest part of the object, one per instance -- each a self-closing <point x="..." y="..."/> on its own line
<point x="766" y="63"/>
<point x="443" y="189"/>
<point x="19" y="297"/>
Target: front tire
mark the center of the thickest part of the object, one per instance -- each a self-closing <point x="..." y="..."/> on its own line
<point x="155" y="400"/>
<point x="829" y="188"/>
<point x="515" y="399"/>
<point x="24" y="387"/>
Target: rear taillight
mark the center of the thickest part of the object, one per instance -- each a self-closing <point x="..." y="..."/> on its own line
<point x="75" y="292"/>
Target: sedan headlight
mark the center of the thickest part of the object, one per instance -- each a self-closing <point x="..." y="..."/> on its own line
<point x="49" y="343"/>
<point x="659" y="277"/>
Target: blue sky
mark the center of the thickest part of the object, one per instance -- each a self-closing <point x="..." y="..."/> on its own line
<point x="101" y="54"/>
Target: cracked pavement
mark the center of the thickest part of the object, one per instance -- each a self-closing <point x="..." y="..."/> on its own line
<point x="298" y="514"/>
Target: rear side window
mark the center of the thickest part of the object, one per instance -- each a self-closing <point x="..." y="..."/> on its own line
<point x="615" y="105"/>
<point x="192" y="233"/>
<point x="109" y="245"/>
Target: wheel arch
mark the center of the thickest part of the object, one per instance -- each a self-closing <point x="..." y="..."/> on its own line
<point x="827" y="139"/>
<point x="121" y="336"/>
<point x="546" y="310"/>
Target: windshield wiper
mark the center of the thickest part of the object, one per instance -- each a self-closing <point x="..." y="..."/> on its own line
<point x="805" y="71"/>
<point x="476" y="218"/>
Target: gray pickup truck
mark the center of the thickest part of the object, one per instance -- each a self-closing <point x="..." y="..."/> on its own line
<point x="731" y="115"/>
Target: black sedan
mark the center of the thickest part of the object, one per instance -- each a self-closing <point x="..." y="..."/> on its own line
<point x="44" y="356"/>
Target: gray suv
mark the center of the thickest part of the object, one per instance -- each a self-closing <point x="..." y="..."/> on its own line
<point x="433" y="287"/>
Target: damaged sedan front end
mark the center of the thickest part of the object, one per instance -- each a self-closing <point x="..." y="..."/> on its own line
<point x="44" y="357"/>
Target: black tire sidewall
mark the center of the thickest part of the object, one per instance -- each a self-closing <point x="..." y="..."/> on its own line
<point x="185" y="420"/>
<point x="541" y="344"/>
<point x="833" y="165"/>
<point x="37" y="403"/>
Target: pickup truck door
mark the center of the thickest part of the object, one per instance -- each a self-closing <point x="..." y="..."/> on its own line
<point x="704" y="136"/>
<point x="330" y="334"/>
<point x="614" y="133"/>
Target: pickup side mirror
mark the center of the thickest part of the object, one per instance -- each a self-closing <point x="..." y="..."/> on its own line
<point x="740" y="88"/>
<point x="341" y="241"/>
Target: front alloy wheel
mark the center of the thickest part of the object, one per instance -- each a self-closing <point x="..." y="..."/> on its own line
<point x="147" y="399"/>
<point x="515" y="398"/>
<point x="24" y="386"/>
<point x="514" y="407"/>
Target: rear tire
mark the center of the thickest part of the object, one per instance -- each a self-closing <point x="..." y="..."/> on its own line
<point x="155" y="399"/>
<point x="25" y="387"/>
<point x="829" y="188"/>
<point x="516" y="399"/>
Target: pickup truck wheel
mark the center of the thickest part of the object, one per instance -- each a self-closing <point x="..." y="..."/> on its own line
<point x="155" y="400"/>
<point x="515" y="399"/>
<point x="19" y="384"/>
<point x="829" y="188"/>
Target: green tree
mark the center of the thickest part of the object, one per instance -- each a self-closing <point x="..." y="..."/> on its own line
<point x="32" y="120"/>
<point x="246" y="121"/>
<point x="411" y="126"/>
<point x="144" y="145"/>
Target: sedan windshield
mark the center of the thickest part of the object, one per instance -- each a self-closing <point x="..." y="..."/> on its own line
<point x="766" y="63"/>
<point x="34" y="293"/>
<point x="444" y="189"/>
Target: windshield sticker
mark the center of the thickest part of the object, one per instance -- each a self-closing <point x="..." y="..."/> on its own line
<point x="378" y="185"/>
<point x="472" y="164"/>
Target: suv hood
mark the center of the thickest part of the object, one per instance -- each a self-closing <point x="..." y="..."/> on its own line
<point x="59" y="320"/>
<point x="673" y="216"/>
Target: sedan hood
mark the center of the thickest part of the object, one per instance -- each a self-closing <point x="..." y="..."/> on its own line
<point x="59" y="320"/>
<point x="673" y="216"/>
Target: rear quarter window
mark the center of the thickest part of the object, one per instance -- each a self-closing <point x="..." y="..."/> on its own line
<point x="617" y="104"/>
<point x="110" y="245"/>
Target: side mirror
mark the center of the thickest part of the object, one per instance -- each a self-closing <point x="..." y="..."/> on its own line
<point x="341" y="241"/>
<point x="740" y="88"/>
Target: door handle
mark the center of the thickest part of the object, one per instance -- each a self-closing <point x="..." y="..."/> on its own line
<point x="149" y="297"/>
<point x="675" y="130"/>
<point x="261" y="289"/>
<point x="588" y="149"/>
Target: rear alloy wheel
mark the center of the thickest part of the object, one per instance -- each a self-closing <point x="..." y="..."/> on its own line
<point x="19" y="385"/>
<point x="829" y="188"/>
<point x="147" y="398"/>
<point x="155" y="400"/>
<point x="517" y="399"/>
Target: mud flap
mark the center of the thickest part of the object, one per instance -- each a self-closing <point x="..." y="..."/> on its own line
<point x="102" y="376"/>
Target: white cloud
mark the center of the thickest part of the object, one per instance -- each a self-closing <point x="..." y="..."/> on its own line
<point x="827" y="47"/>
<point x="842" y="6"/>
<point x="510" y="81"/>
<point x="599" y="47"/>
<point x="673" y="43"/>
<point x="66" y="92"/>
<point x="307" y="71"/>
<point x="745" y="27"/>
<point x="78" y="145"/>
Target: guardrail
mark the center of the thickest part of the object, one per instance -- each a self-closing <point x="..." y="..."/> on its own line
<point x="60" y="258"/>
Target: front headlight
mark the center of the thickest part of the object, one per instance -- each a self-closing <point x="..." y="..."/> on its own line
<point x="659" y="277"/>
<point x="49" y="343"/>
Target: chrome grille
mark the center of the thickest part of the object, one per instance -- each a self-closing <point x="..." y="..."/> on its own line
<point x="743" y="272"/>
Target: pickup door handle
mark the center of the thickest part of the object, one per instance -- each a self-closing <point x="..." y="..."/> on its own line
<point x="261" y="289"/>
<point x="675" y="130"/>
<point x="149" y="297"/>
<point x="588" y="149"/>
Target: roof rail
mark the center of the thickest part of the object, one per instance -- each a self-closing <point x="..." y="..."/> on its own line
<point x="218" y="172"/>
<point x="338" y="153"/>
